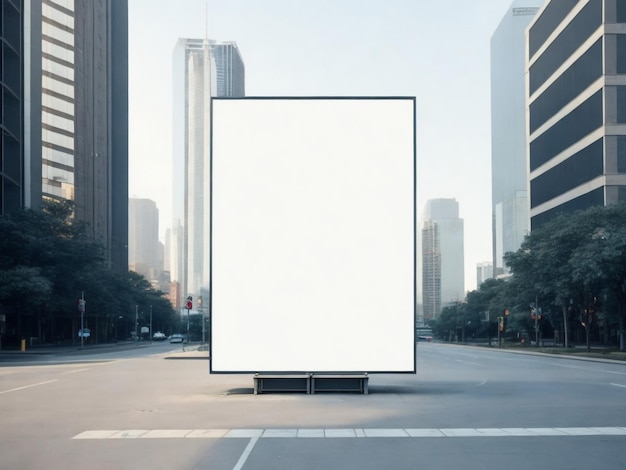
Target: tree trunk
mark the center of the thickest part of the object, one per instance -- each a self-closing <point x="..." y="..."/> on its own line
<point x="621" y="300"/>
<point x="564" y="307"/>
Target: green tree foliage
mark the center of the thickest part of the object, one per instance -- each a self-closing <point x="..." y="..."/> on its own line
<point x="571" y="259"/>
<point x="47" y="261"/>
<point x="573" y="266"/>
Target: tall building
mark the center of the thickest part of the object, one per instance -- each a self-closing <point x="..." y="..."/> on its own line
<point x="443" y="259"/>
<point x="509" y="174"/>
<point x="20" y="85"/>
<point x="576" y="106"/>
<point x="65" y="112"/>
<point x="201" y="69"/>
<point x="484" y="271"/>
<point x="229" y="70"/>
<point x="144" y="249"/>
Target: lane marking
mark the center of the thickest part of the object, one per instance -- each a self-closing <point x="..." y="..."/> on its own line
<point x="619" y="385"/>
<point x="467" y="362"/>
<point x="246" y="453"/>
<point x="255" y="434"/>
<point x="28" y="386"/>
<point x="74" y="371"/>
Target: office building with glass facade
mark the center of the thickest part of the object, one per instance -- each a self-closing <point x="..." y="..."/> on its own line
<point x="20" y="99"/>
<point x="576" y="106"/>
<point x="443" y="256"/>
<point x="509" y="174"/>
<point x="201" y="69"/>
<point x="64" y="100"/>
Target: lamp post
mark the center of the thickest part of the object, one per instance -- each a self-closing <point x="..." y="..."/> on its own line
<point x="81" y="309"/>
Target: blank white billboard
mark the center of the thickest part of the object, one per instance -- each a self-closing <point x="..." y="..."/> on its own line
<point x="312" y="235"/>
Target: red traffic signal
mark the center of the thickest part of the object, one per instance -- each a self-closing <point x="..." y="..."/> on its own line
<point x="189" y="305"/>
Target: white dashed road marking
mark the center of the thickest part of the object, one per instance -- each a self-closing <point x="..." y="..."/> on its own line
<point x="27" y="386"/>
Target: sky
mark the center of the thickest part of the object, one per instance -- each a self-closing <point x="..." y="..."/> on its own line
<point x="437" y="51"/>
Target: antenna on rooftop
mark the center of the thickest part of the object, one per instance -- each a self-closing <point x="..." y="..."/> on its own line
<point x="206" y="21"/>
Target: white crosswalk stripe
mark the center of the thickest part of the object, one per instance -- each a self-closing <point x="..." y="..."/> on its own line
<point x="331" y="433"/>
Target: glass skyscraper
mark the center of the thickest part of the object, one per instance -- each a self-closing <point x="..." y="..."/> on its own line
<point x="65" y="117"/>
<point x="509" y="170"/>
<point x="201" y="69"/>
<point x="576" y="106"/>
<point x="443" y="256"/>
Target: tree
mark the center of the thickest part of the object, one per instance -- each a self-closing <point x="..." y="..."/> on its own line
<point x="47" y="259"/>
<point x="599" y="262"/>
<point x="571" y="259"/>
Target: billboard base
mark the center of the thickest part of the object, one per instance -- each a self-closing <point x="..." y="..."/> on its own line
<point x="311" y="383"/>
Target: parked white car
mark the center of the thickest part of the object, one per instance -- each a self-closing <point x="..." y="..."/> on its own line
<point x="158" y="336"/>
<point x="176" y="339"/>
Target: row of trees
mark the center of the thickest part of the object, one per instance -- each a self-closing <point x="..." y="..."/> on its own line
<point x="47" y="260"/>
<point x="572" y="267"/>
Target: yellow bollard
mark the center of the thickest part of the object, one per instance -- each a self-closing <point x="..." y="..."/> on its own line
<point x="23" y="348"/>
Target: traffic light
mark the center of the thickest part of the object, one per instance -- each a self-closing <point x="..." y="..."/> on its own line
<point x="189" y="302"/>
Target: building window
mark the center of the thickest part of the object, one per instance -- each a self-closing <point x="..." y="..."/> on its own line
<point x="576" y="170"/>
<point x="568" y="86"/>
<point x="590" y="199"/>
<point x="621" y="154"/>
<point x="621" y="11"/>
<point x="580" y="122"/>
<point x="571" y="38"/>
<point x="621" y="104"/>
<point x="548" y="22"/>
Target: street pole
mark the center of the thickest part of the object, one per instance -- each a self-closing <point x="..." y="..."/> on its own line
<point x="136" y="321"/>
<point x="536" y="322"/>
<point x="203" y="327"/>
<point x="82" y="322"/>
<point x="151" y="324"/>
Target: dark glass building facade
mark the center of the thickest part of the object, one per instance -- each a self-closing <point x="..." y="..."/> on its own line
<point x="576" y="106"/>
<point x="11" y="106"/>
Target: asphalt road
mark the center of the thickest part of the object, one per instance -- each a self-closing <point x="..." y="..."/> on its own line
<point x="157" y="407"/>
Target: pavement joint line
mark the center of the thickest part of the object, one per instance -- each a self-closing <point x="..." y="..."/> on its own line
<point x="333" y="433"/>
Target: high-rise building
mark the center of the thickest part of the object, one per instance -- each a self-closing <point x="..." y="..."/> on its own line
<point x="484" y="271"/>
<point x="509" y="174"/>
<point x="443" y="270"/>
<point x="20" y="97"/>
<point x="144" y="249"/>
<point x="201" y="69"/>
<point x="576" y="106"/>
<point x="229" y="70"/>
<point x="66" y="115"/>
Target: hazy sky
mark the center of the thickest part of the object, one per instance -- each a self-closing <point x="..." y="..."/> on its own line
<point x="437" y="51"/>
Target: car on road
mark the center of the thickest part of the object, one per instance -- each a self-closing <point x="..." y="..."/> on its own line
<point x="158" y="336"/>
<point x="84" y="333"/>
<point x="176" y="339"/>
